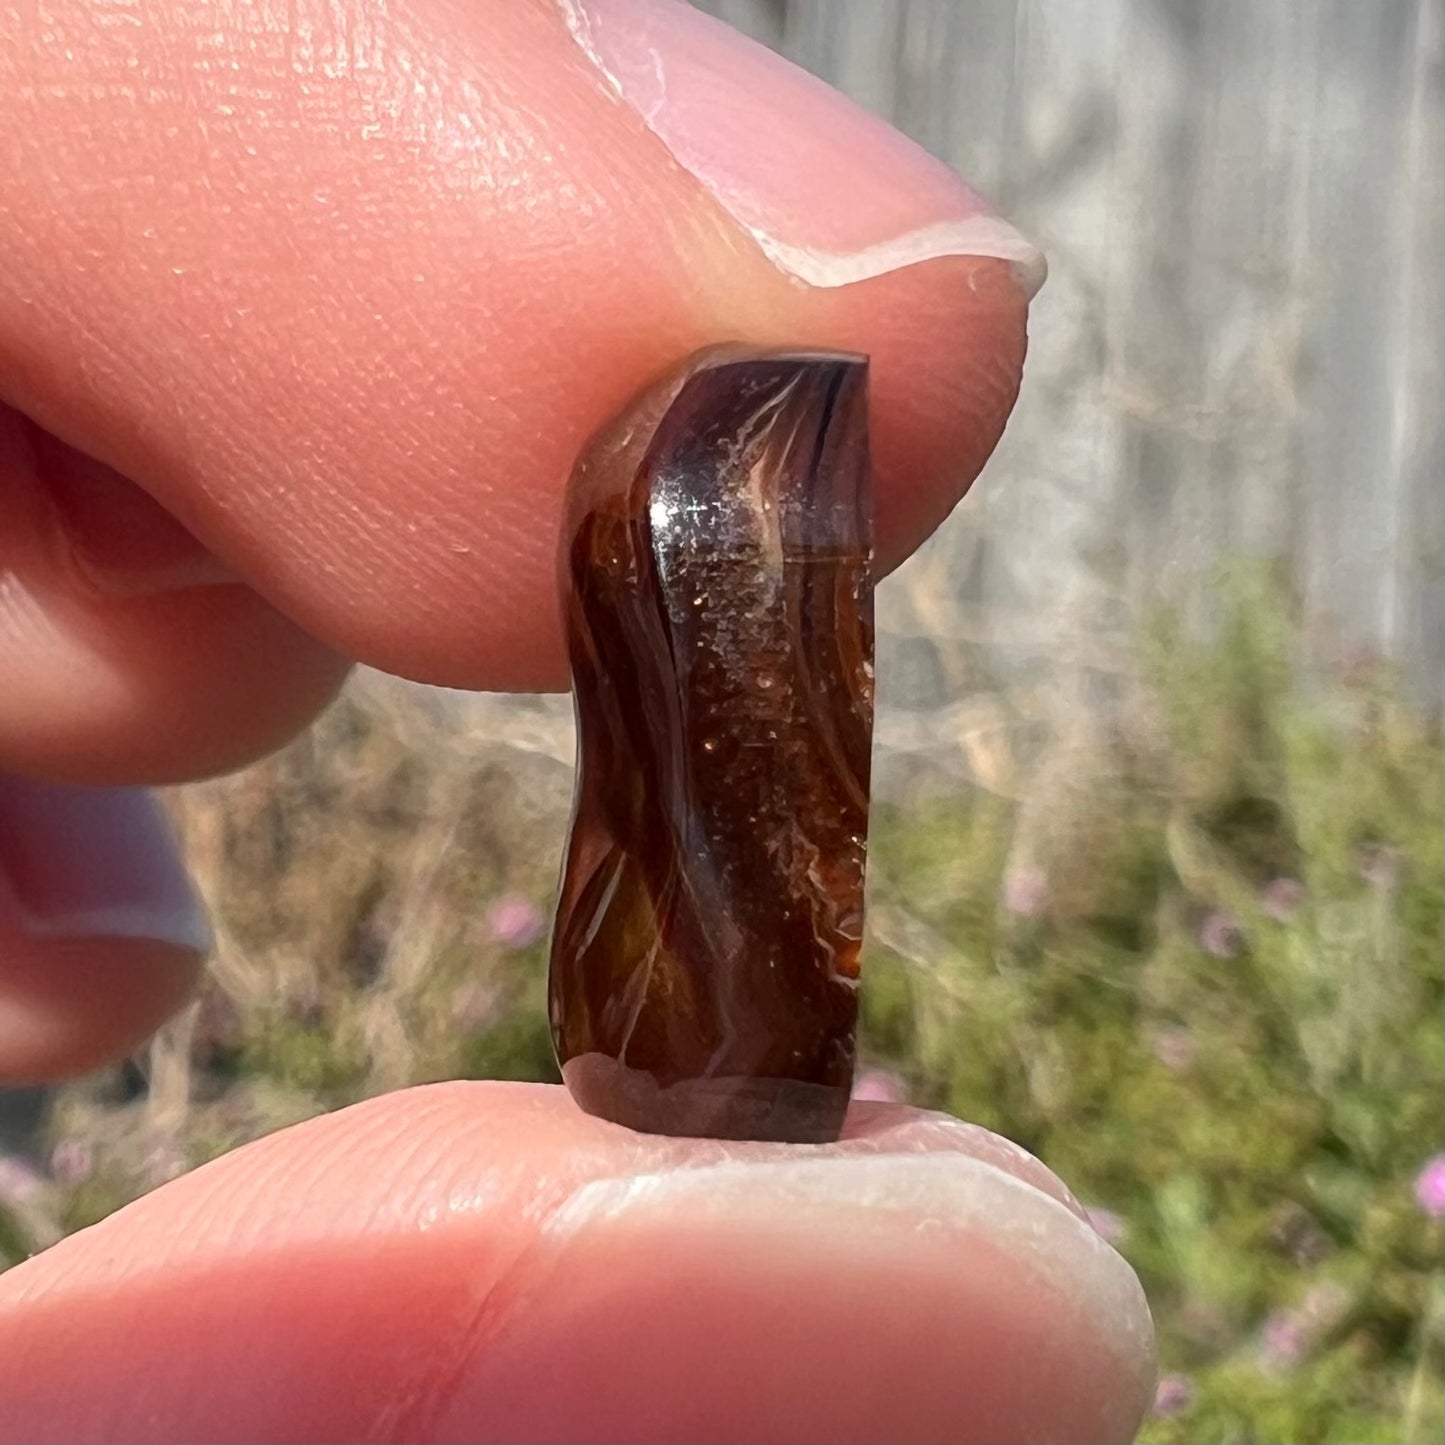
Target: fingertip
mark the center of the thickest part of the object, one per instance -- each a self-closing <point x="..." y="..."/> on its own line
<point x="120" y="667"/>
<point x="154" y="690"/>
<point x="102" y="934"/>
<point x="483" y="1262"/>
<point x="71" y="1005"/>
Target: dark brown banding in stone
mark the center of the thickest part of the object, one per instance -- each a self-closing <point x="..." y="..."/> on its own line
<point x="716" y="567"/>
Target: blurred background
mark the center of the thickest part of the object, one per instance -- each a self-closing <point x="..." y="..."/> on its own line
<point x="1156" y="878"/>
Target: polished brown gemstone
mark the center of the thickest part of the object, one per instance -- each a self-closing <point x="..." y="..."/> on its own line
<point x="716" y="574"/>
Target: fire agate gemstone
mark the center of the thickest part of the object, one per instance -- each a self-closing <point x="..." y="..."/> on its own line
<point x="716" y="571"/>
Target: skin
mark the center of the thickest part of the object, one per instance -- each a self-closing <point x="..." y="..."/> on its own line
<point x="289" y="329"/>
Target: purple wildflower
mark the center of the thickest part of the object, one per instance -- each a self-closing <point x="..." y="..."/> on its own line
<point x="1174" y="1048"/>
<point x="881" y="1086"/>
<point x="1430" y="1187"/>
<point x="1282" y="1343"/>
<point x="1173" y="1394"/>
<point x="1110" y="1227"/>
<point x="72" y="1161"/>
<point x="1219" y="936"/>
<point x="1281" y="897"/>
<point x="1025" y="892"/>
<point x="514" y="922"/>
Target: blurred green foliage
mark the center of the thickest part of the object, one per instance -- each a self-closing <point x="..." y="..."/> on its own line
<point x="1217" y="1012"/>
<point x="1209" y="994"/>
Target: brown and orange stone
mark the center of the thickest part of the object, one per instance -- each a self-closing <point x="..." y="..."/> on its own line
<point x="716" y="567"/>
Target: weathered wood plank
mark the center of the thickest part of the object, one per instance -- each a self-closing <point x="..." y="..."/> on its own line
<point x="1239" y="347"/>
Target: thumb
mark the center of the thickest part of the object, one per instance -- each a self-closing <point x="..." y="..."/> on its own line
<point x="343" y="290"/>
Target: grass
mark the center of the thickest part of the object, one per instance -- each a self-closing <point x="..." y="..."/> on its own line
<point x="1189" y="952"/>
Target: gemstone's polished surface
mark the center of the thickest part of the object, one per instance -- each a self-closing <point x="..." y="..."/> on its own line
<point x="716" y="572"/>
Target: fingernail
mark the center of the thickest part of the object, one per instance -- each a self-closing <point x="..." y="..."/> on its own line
<point x="831" y="193"/>
<point x="120" y="538"/>
<point x="95" y="863"/>
<point x="959" y="1200"/>
<point x="953" y="1192"/>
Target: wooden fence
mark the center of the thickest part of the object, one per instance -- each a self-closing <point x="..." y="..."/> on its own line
<point x="1239" y="347"/>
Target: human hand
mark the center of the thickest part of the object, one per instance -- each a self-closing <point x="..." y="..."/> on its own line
<point x="304" y="312"/>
